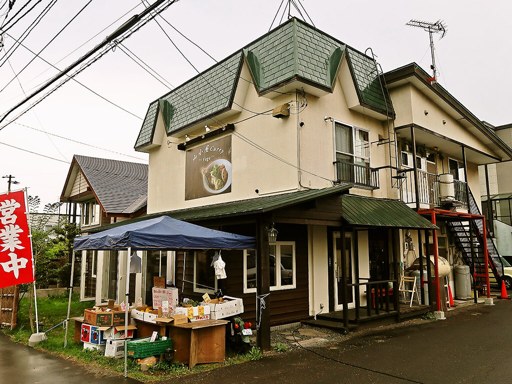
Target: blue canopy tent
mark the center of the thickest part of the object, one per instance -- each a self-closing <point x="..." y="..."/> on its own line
<point x="163" y="233"/>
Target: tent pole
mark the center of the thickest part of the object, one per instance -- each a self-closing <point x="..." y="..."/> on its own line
<point x="69" y="299"/>
<point x="126" y="306"/>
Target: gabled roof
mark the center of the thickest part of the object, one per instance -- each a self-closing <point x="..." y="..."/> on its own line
<point x="294" y="51"/>
<point x="120" y="187"/>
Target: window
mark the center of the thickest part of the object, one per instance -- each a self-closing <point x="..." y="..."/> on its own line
<point x="282" y="267"/>
<point x="90" y="213"/>
<point x="204" y="273"/>
<point x="456" y="168"/>
<point x="352" y="153"/>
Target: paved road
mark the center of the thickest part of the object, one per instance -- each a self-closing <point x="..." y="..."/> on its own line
<point x="20" y="364"/>
<point x="474" y="345"/>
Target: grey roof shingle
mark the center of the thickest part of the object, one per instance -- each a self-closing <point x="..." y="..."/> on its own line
<point x="120" y="186"/>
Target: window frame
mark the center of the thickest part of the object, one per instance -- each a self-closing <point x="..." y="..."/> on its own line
<point x="201" y="288"/>
<point x="278" y="280"/>
<point x="364" y="154"/>
<point x="90" y="213"/>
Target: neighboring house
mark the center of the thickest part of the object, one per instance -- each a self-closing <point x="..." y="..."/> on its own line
<point x="496" y="191"/>
<point x="101" y="192"/>
<point x="301" y="133"/>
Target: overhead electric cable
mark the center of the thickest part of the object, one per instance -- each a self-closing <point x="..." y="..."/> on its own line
<point x="124" y="31"/>
<point x="78" y="142"/>
<point x="141" y="63"/>
<point x="23" y="90"/>
<point x="34" y="153"/>
<point x="27" y="32"/>
<point x="227" y="97"/>
<point x="79" y="82"/>
<point x="9" y="8"/>
<point x="47" y="44"/>
<point x="4" y="27"/>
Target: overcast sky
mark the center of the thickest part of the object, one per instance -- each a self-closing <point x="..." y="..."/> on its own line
<point x="473" y="61"/>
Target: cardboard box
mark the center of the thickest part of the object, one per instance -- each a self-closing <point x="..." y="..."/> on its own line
<point x="179" y="319"/>
<point x="114" y="348"/>
<point x="158" y="282"/>
<point x="118" y="318"/>
<point x="150" y="317"/>
<point x="93" y="334"/>
<point x="230" y="306"/>
<point x="137" y="314"/>
<point x="98" y="318"/>
<point x="92" y="347"/>
<point x="165" y="294"/>
<point x="201" y="312"/>
<point x="117" y="332"/>
<point x="105" y="318"/>
<point x="85" y="333"/>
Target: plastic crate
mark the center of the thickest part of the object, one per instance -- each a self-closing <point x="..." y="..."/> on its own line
<point x="142" y="348"/>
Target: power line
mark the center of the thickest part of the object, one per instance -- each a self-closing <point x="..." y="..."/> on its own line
<point x="23" y="90"/>
<point x="4" y="29"/>
<point x="77" y="141"/>
<point x="79" y="82"/>
<point x="227" y="97"/>
<point x="141" y="63"/>
<point x="27" y="32"/>
<point x="34" y="153"/>
<point x="47" y="44"/>
<point x="124" y="31"/>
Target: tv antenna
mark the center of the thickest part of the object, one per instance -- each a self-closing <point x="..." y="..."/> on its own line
<point x="437" y="27"/>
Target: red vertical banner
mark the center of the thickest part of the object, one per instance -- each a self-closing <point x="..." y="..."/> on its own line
<point x="16" y="265"/>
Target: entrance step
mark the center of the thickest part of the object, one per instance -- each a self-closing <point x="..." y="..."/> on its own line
<point x="329" y="324"/>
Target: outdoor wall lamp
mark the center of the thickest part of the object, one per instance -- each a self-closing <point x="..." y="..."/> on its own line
<point x="272" y="234"/>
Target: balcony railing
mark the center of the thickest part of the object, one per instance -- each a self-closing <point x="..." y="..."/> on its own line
<point x="429" y="192"/>
<point x="360" y="175"/>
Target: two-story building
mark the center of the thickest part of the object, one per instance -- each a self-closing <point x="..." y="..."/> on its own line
<point x="300" y="133"/>
<point x="339" y="170"/>
<point x="100" y="192"/>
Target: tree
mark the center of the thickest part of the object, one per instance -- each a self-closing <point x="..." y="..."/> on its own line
<point x="52" y="243"/>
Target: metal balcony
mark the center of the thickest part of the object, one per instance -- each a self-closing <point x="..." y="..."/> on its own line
<point x="360" y="175"/>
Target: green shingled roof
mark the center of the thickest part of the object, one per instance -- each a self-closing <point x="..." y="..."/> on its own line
<point x="293" y="51"/>
<point x="368" y="85"/>
<point x="371" y="212"/>
<point x="256" y="205"/>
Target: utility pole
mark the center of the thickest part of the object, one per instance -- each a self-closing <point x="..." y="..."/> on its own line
<point x="431" y="28"/>
<point x="10" y="180"/>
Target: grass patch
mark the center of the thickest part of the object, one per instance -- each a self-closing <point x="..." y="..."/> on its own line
<point x="53" y="310"/>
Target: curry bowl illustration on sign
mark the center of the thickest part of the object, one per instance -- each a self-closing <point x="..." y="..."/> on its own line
<point x="217" y="176"/>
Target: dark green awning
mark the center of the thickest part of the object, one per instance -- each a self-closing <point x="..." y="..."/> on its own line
<point x="371" y="212"/>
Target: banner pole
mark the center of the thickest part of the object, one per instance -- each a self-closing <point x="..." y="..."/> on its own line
<point x="27" y="212"/>
<point x="35" y="307"/>
<point x="69" y="298"/>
